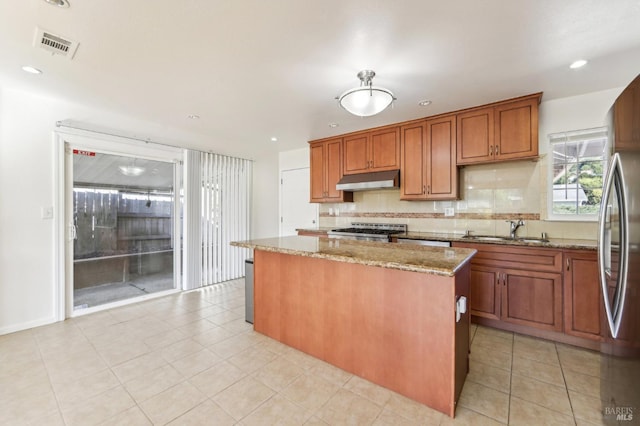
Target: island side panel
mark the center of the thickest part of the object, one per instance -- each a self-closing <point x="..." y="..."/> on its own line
<point x="395" y="328"/>
<point x="463" y="335"/>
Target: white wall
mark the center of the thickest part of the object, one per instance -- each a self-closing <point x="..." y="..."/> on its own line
<point x="574" y="113"/>
<point x="294" y="159"/>
<point x="264" y="210"/>
<point x="27" y="256"/>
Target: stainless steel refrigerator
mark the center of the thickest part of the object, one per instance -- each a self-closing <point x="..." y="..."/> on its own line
<point x="619" y="263"/>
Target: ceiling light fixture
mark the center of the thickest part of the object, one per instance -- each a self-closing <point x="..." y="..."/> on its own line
<point x="424" y="103"/>
<point x="132" y="169"/>
<point x="366" y="100"/>
<point x="193" y="116"/>
<point x="59" y="3"/>
<point x="333" y="125"/>
<point x="578" y="64"/>
<point x="31" y="70"/>
<point x="274" y="139"/>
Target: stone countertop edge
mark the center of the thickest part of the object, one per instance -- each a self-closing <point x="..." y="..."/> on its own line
<point x="444" y="261"/>
<point x="557" y="243"/>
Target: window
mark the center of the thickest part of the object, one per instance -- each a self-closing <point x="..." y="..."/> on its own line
<point x="577" y="173"/>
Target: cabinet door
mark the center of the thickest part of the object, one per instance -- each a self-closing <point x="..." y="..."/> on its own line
<point x="384" y="150"/>
<point x="333" y="169"/>
<point x="532" y="298"/>
<point x="356" y="159"/>
<point x="441" y="168"/>
<point x="582" y="295"/>
<point x="484" y="293"/>
<point x="412" y="170"/>
<point x="516" y="130"/>
<point x="318" y="183"/>
<point x="475" y="136"/>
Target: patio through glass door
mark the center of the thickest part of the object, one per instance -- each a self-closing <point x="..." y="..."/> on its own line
<point x="123" y="227"/>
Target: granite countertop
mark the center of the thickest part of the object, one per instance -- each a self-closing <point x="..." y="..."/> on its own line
<point x="558" y="243"/>
<point x="431" y="260"/>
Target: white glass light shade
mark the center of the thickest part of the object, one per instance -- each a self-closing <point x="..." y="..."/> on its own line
<point x="131" y="170"/>
<point x="365" y="101"/>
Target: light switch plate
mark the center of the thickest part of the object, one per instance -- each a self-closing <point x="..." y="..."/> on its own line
<point x="46" y="212"/>
<point x="449" y="211"/>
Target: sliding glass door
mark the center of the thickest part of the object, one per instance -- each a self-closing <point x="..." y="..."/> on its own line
<point x="123" y="227"/>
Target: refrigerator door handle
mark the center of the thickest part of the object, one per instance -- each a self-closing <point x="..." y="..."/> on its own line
<point x="614" y="182"/>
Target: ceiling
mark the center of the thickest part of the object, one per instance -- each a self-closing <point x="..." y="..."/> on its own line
<point x="254" y="69"/>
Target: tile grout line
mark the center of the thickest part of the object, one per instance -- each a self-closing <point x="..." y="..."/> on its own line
<point x="566" y="386"/>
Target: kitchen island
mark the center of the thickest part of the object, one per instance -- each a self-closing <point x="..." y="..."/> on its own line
<point x="384" y="312"/>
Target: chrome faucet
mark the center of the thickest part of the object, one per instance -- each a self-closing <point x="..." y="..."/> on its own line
<point x="513" y="227"/>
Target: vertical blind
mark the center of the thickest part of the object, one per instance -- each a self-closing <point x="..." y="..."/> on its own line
<point x="224" y="213"/>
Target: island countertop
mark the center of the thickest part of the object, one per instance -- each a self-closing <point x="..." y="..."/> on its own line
<point x="445" y="261"/>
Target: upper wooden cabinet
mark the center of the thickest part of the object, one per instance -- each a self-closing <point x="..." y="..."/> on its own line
<point x="428" y="160"/>
<point x="374" y="151"/>
<point x="500" y="132"/>
<point x="326" y="171"/>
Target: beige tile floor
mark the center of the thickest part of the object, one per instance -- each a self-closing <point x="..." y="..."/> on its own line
<point x="190" y="359"/>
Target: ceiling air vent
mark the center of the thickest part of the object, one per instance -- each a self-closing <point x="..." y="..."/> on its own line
<point x="55" y="44"/>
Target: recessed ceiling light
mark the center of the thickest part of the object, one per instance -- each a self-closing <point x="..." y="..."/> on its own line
<point x="274" y="139"/>
<point x="424" y="103"/>
<point x="333" y="125"/>
<point x="59" y="3"/>
<point x="31" y="70"/>
<point x="578" y="64"/>
<point x="193" y="116"/>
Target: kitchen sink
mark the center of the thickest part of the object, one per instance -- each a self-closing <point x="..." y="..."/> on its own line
<point x="487" y="238"/>
<point x="501" y="238"/>
<point x="532" y="240"/>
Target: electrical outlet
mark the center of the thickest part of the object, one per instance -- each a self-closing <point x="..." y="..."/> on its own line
<point x="449" y="211"/>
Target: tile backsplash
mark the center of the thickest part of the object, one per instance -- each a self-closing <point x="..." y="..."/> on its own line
<point x="490" y="194"/>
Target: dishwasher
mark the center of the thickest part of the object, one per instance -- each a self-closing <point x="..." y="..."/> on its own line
<point x="431" y="243"/>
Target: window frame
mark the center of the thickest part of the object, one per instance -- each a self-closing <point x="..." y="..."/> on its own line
<point x="574" y="136"/>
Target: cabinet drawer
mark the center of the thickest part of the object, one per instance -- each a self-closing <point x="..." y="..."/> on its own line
<point x="506" y="256"/>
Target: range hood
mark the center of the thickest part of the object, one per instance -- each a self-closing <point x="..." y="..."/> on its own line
<point x="369" y="181"/>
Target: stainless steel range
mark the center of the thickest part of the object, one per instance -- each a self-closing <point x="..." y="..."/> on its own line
<point x="369" y="231"/>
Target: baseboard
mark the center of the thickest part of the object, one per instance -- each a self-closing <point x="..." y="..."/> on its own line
<point x="27" y="325"/>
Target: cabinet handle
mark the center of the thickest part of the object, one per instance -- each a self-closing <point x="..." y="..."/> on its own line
<point x="568" y="264"/>
<point x="424" y="189"/>
<point x="490" y="149"/>
<point x="428" y="189"/>
<point x="497" y="149"/>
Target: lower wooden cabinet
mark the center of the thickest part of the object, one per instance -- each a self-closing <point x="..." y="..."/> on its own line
<point x="485" y="292"/>
<point x="532" y="298"/>
<point x="582" y="295"/>
<point x="517" y="285"/>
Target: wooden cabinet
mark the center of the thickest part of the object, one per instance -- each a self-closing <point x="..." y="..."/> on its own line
<point x="582" y="295"/>
<point x="500" y="132"/>
<point x="475" y="136"/>
<point x="326" y="171"/>
<point x="374" y="151"/>
<point x="517" y="285"/>
<point x="532" y="298"/>
<point x="428" y="168"/>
